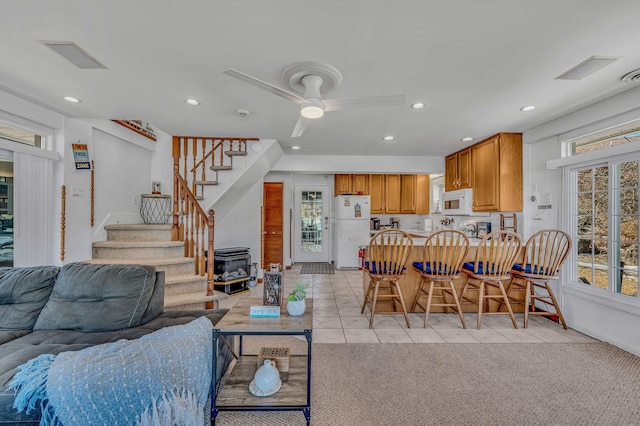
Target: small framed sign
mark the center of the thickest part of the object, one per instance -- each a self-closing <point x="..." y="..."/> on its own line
<point x="272" y="288"/>
<point x="81" y="156"/>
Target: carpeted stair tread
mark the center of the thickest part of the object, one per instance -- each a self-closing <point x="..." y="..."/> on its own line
<point x="157" y="262"/>
<point x="137" y="244"/>
<point x="188" y="299"/>
<point x="139" y="226"/>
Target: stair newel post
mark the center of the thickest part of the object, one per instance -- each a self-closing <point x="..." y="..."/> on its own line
<point x="188" y="242"/>
<point x="202" y="266"/>
<point x="210" y="255"/>
<point x="176" y="188"/>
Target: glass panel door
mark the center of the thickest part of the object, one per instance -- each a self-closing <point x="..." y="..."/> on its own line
<point x="312" y="224"/>
<point x="6" y="212"/>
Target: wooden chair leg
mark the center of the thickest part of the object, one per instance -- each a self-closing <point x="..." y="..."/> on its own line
<point x="404" y="308"/>
<point x="507" y="304"/>
<point x="527" y="302"/>
<point x="480" y="302"/>
<point x="366" y="298"/>
<point x="428" y="308"/>
<point x="457" y="302"/>
<point x="418" y="294"/>
<point x="555" y="305"/>
<point x="373" y="303"/>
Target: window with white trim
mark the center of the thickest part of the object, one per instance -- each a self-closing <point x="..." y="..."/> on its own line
<point x="604" y="221"/>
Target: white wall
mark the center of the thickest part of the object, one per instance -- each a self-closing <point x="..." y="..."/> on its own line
<point x="241" y="226"/>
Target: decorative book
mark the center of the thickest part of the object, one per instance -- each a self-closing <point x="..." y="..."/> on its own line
<point x="264" y="311"/>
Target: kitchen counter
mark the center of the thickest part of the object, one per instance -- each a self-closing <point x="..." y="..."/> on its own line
<point x="409" y="284"/>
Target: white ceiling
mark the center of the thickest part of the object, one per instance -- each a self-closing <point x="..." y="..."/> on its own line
<point x="474" y="63"/>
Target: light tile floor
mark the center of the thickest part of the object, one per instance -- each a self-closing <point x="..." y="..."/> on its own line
<point x="337" y="299"/>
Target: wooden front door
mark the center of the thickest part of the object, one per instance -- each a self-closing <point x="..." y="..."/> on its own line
<point x="272" y="242"/>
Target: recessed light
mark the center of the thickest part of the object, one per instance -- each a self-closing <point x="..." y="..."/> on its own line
<point x="192" y="102"/>
<point x="528" y="108"/>
<point x="295" y="147"/>
<point x="417" y="105"/>
<point x="72" y="99"/>
<point x="389" y="138"/>
<point x="467" y="139"/>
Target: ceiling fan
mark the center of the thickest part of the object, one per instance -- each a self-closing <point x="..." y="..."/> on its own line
<point x="311" y="80"/>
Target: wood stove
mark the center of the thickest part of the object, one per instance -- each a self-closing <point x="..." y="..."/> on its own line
<point x="231" y="268"/>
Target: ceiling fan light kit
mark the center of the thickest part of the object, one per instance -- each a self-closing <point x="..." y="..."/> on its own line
<point x="312" y="80"/>
<point x="313" y="109"/>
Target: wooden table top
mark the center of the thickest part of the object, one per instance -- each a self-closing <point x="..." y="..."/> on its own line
<point x="238" y="318"/>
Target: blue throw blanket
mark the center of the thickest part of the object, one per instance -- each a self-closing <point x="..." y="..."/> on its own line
<point x="162" y="378"/>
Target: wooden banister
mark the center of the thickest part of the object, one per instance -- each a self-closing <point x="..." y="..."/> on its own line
<point x="191" y="224"/>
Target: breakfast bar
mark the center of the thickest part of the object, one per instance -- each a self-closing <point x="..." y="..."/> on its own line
<point x="409" y="284"/>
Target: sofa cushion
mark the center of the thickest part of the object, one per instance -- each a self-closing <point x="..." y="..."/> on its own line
<point x="94" y="297"/>
<point x="23" y="294"/>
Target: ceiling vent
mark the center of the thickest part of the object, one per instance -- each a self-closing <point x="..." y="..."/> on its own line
<point x="587" y="67"/>
<point x="632" y="77"/>
<point x="74" y="54"/>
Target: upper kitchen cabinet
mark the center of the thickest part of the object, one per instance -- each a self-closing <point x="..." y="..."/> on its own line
<point x="497" y="173"/>
<point x="385" y="193"/>
<point x="414" y="194"/>
<point x="376" y="189"/>
<point x="342" y="185"/>
<point x="351" y="184"/>
<point x="360" y="184"/>
<point x="392" y="190"/>
<point x="458" y="170"/>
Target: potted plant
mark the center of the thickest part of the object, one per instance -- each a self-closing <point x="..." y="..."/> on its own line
<point x="295" y="301"/>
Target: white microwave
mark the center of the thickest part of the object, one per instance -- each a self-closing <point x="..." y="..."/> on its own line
<point x="458" y="202"/>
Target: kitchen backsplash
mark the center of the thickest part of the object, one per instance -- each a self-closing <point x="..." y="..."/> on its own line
<point x="429" y="222"/>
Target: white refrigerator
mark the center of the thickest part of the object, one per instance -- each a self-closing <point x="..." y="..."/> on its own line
<point x="353" y="216"/>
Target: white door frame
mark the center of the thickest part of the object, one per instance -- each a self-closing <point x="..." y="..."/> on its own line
<point x="325" y="254"/>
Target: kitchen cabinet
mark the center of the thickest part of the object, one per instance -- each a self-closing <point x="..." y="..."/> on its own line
<point x="392" y="190"/>
<point x="376" y="190"/>
<point x="360" y="184"/>
<point x="497" y="173"/>
<point x="408" y="194"/>
<point x="342" y="185"/>
<point x="399" y="194"/>
<point x="423" y="194"/>
<point x="351" y="184"/>
<point x="458" y="170"/>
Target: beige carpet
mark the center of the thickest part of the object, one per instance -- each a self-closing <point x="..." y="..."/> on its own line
<point x="466" y="384"/>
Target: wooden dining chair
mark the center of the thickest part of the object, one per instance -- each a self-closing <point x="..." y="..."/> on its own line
<point x="443" y="255"/>
<point x="494" y="259"/>
<point x="544" y="253"/>
<point x="388" y="253"/>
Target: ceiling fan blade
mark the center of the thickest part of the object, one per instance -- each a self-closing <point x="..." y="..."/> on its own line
<point x="296" y="99"/>
<point x="368" y="101"/>
<point x="301" y="125"/>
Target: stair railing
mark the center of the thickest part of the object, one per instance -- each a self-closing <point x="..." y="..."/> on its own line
<point x="193" y="226"/>
<point x="201" y="157"/>
<point x="191" y="156"/>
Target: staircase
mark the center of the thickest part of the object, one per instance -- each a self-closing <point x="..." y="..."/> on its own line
<point x="152" y="245"/>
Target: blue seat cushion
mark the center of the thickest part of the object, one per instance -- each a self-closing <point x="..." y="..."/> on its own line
<point x="373" y="269"/>
<point x="480" y="270"/>
<point x="527" y="269"/>
<point x="420" y="266"/>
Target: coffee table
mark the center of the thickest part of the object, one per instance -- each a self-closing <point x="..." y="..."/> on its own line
<point x="231" y="393"/>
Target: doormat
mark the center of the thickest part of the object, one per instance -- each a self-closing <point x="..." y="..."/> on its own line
<point x="317" y="268"/>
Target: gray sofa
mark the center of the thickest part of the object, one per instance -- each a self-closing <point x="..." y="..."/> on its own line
<point x="48" y="310"/>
